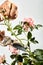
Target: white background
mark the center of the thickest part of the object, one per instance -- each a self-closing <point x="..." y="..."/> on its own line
<point x="26" y="9"/>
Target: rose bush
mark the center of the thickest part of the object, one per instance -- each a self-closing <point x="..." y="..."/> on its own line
<point x="8" y="11"/>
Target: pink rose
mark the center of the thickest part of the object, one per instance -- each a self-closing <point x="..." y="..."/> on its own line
<point x="27" y="23"/>
<point x="2" y="58"/>
<point x="13" y="50"/>
<point x="30" y="21"/>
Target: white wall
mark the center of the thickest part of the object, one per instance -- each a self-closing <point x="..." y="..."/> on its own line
<point x="34" y="9"/>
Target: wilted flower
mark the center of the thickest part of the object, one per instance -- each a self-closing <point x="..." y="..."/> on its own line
<point x="8" y="9"/>
<point x="2" y="58"/>
<point x="2" y="34"/>
<point x="13" y="50"/>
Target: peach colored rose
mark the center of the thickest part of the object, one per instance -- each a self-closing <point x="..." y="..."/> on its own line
<point x="8" y="9"/>
<point x="2" y="58"/>
<point x="13" y="50"/>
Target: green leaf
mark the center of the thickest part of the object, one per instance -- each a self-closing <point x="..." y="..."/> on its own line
<point x="36" y="41"/>
<point x="38" y="54"/>
<point x="38" y="26"/>
<point x="33" y="40"/>
<point x="19" y="58"/>
<point x="29" y="35"/>
<point x="13" y="63"/>
<point x="28" y="43"/>
<point x="17" y="27"/>
<point x="26" y="62"/>
<point x="31" y="28"/>
<point x="39" y="63"/>
<point x="24" y="54"/>
<point x="12" y="34"/>
<point x="13" y="56"/>
<point x="9" y="29"/>
<point x="19" y="31"/>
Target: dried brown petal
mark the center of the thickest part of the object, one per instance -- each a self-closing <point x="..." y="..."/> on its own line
<point x="2" y="34"/>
